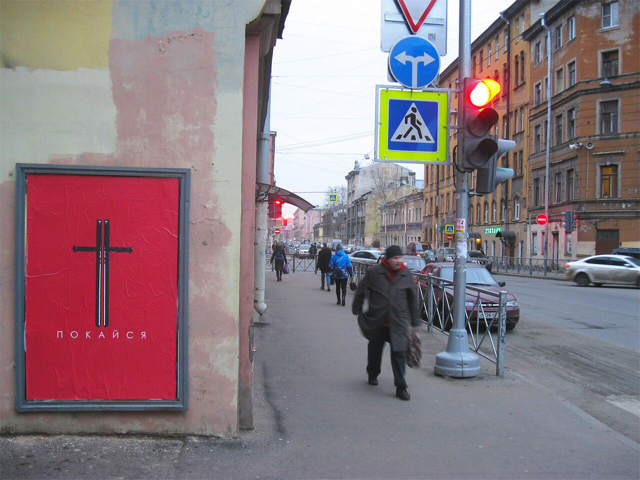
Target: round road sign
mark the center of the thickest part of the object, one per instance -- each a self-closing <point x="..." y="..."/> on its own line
<point x="449" y="237"/>
<point x="542" y="219"/>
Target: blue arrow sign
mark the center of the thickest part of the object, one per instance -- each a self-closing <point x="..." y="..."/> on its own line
<point x="414" y="62"/>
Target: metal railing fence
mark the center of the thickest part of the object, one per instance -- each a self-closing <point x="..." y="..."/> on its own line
<point x="529" y="265"/>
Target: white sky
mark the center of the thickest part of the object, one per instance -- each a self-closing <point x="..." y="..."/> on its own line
<point x="325" y="72"/>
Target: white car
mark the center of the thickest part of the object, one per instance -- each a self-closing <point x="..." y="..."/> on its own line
<point x="369" y="257"/>
<point x="601" y="269"/>
<point x="445" y="254"/>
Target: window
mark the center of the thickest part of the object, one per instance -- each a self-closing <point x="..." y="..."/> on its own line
<point x="545" y="93"/>
<point x="486" y="212"/>
<point x="478" y="219"/>
<point x="572" y="73"/>
<point x="520" y="161"/>
<point x="489" y="54"/>
<point x="522" y="22"/>
<point x="571" y="124"/>
<point x="570" y="193"/>
<point x="610" y="15"/>
<point x="536" y="191"/>
<point x="497" y="47"/>
<point x="522" y="119"/>
<point x="537" y="53"/>
<point x="517" y="31"/>
<point x="516" y="208"/>
<point x="559" y="80"/>
<point x="503" y="210"/>
<point x="473" y="66"/>
<point x="559" y="138"/>
<point x="571" y="28"/>
<point x="494" y="212"/>
<point x="537" y="139"/>
<point x="537" y="94"/>
<point x="557" y="180"/>
<point x="505" y="130"/>
<point x="609" y="117"/>
<point x="481" y="59"/>
<point x="470" y="214"/>
<point x="506" y="39"/>
<point x="534" y="241"/>
<point x="558" y="37"/>
<point x="545" y="48"/>
<point x="447" y="204"/>
<point x="608" y="181"/>
<point x="521" y="67"/>
<point x="610" y="64"/>
<point x="516" y="125"/>
<point x="517" y="69"/>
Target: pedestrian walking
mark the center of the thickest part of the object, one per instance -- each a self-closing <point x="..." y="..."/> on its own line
<point x="313" y="251"/>
<point x="341" y="270"/>
<point x="324" y="257"/>
<point x="279" y="256"/>
<point x="390" y="317"/>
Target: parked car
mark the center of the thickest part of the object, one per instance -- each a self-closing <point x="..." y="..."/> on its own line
<point x="303" y="251"/>
<point x="477" y="276"/>
<point x="445" y="254"/>
<point x="413" y="262"/>
<point x="599" y="269"/>
<point x="369" y="257"/>
<point x="349" y="248"/>
<point x="627" y="252"/>
<point x="429" y="256"/>
<point x="478" y="256"/>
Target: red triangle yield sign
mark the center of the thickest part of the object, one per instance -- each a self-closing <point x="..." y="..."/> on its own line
<point x="415" y="13"/>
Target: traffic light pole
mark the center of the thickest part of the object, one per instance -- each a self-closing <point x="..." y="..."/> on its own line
<point x="457" y="361"/>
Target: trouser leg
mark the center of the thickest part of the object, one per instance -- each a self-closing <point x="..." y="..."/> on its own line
<point x="343" y="286"/>
<point x="399" y="367"/>
<point x="374" y="351"/>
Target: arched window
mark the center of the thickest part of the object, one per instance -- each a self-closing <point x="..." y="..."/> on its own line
<point x="471" y="215"/>
<point x="503" y="210"/>
<point x="486" y="212"/>
<point x="494" y="212"/>
<point x="516" y="208"/>
<point x="478" y="219"/>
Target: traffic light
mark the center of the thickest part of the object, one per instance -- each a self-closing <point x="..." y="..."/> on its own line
<point x="275" y="208"/>
<point x="490" y="175"/>
<point x="285" y="220"/>
<point x="569" y="223"/>
<point x="477" y="121"/>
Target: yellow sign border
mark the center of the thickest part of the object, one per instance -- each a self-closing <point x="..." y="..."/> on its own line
<point x="384" y="154"/>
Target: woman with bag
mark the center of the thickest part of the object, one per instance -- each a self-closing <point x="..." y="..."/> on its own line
<point x="280" y="257"/>
<point x="341" y="271"/>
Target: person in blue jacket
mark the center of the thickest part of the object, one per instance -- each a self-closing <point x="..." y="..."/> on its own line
<point x="341" y="271"/>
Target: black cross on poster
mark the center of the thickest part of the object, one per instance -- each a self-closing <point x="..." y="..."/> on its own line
<point x="102" y="250"/>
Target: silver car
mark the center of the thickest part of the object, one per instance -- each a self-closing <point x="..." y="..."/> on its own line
<point x="445" y="254"/>
<point x="601" y="269"/>
<point x="369" y="257"/>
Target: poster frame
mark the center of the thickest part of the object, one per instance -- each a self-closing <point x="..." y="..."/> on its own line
<point x="22" y="404"/>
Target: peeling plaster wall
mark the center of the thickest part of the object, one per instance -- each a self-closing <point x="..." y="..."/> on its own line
<point x="170" y="94"/>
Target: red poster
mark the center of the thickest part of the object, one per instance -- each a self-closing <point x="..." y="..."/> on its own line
<point x="101" y="287"/>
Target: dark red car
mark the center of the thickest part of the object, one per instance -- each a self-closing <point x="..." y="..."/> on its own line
<point x="477" y="276"/>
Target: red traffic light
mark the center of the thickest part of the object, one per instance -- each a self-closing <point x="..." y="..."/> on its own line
<point x="277" y="202"/>
<point x="481" y="92"/>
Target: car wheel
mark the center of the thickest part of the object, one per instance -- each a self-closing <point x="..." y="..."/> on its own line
<point x="511" y="326"/>
<point x="582" y="280"/>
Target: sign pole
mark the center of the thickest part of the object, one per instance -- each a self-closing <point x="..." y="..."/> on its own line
<point x="457" y="361"/>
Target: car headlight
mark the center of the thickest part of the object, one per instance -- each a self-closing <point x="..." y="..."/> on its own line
<point x="512" y="304"/>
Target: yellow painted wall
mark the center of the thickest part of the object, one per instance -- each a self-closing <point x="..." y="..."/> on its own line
<point x="55" y="34"/>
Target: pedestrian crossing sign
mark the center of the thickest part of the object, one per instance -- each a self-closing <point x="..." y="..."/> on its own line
<point x="412" y="126"/>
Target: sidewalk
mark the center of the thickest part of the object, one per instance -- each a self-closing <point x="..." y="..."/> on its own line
<point x="316" y="417"/>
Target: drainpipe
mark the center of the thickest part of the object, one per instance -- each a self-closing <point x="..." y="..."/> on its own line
<point x="548" y="132"/>
<point x="262" y="209"/>
<point x="507" y="82"/>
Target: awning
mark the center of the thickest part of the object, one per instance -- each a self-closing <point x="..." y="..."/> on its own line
<point x="474" y="235"/>
<point x="266" y="192"/>
<point x="506" y="234"/>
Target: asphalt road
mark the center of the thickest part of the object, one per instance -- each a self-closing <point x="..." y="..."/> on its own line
<point x="610" y="313"/>
<point x="582" y="344"/>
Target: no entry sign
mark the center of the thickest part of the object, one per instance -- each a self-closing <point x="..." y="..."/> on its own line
<point x="542" y="219"/>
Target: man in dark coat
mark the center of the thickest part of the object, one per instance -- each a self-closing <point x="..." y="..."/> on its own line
<point x="324" y="257"/>
<point x="392" y="313"/>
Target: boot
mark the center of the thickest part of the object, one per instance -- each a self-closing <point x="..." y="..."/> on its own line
<point x="338" y="302"/>
<point x="343" y="301"/>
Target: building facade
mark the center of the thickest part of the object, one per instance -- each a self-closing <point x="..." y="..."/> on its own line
<point x="594" y="169"/>
<point x="401" y="220"/>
